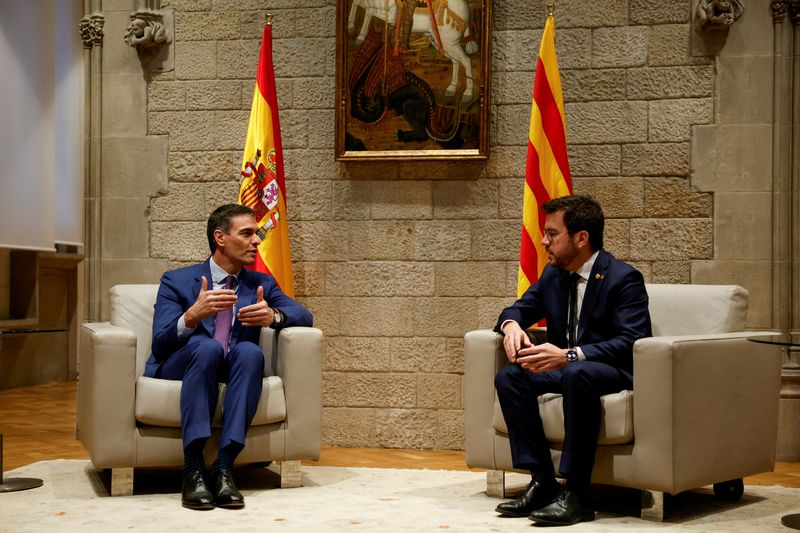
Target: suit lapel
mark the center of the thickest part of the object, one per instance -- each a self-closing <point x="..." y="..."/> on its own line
<point x="205" y="270"/>
<point x="563" y="306"/>
<point x="593" y="286"/>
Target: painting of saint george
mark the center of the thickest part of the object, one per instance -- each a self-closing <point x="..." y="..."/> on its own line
<point x="412" y="79"/>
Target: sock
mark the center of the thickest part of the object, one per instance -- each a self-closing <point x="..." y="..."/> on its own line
<point x="544" y="477"/>
<point x="193" y="456"/>
<point x="227" y="456"/>
<point x="578" y="486"/>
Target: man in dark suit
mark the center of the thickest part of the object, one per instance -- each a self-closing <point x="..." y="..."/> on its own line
<point x="596" y="307"/>
<point x="206" y="328"/>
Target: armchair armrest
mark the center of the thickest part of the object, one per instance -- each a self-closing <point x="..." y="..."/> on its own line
<point x="299" y="364"/>
<point x="106" y="394"/>
<point x="483" y="357"/>
<point x="699" y="398"/>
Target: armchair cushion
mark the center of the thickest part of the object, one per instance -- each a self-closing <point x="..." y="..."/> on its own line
<point x="616" y="426"/>
<point x="158" y="402"/>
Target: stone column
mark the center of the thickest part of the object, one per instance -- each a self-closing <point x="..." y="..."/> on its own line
<point x="91" y="29"/>
<point x="784" y="189"/>
<point x="794" y="16"/>
<point x="125" y="167"/>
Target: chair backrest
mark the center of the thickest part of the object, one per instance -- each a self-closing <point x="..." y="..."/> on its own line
<point x="697" y="309"/>
<point x="132" y="308"/>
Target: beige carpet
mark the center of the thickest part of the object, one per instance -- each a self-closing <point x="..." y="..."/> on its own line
<point x="74" y="498"/>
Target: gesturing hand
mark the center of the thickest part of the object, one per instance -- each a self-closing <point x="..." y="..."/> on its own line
<point x="208" y="303"/>
<point x="257" y="314"/>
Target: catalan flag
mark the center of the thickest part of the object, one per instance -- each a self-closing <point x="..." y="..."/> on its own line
<point x="547" y="169"/>
<point x="263" y="187"/>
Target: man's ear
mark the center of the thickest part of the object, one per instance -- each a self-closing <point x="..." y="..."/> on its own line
<point x="583" y="238"/>
<point x="218" y="234"/>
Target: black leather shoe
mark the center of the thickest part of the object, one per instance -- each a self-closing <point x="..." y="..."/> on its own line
<point x="225" y="493"/>
<point x="536" y="496"/>
<point x="569" y="508"/>
<point x="195" y="494"/>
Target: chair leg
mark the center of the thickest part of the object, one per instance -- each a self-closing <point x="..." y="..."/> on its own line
<point x="290" y="474"/>
<point x="652" y="506"/>
<point x="496" y="483"/>
<point x="122" y="481"/>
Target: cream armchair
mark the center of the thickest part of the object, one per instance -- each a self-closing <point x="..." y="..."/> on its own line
<point x="126" y="420"/>
<point x="703" y="410"/>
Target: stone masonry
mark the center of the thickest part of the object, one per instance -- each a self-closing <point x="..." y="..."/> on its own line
<point x="398" y="261"/>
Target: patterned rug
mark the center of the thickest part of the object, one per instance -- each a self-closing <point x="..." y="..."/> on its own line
<point x="74" y="498"/>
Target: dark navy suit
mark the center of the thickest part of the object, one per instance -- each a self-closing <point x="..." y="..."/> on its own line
<point x="200" y="362"/>
<point x="614" y="314"/>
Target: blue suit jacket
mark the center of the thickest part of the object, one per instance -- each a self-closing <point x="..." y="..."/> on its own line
<point x="178" y="291"/>
<point x="614" y="313"/>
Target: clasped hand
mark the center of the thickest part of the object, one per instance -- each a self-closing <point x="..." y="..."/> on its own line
<point x="211" y="302"/>
<point x="536" y="358"/>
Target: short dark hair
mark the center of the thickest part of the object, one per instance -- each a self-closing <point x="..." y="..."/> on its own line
<point x="220" y="219"/>
<point x="581" y="213"/>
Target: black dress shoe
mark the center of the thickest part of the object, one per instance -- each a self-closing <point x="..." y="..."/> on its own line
<point x="225" y="493"/>
<point x="537" y="495"/>
<point x="195" y="494"/>
<point x="569" y="508"/>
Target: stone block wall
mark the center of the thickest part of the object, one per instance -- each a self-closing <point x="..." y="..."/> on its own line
<point x="398" y="261"/>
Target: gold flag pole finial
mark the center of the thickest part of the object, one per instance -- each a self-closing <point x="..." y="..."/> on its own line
<point x="551" y="9"/>
<point x="268" y="19"/>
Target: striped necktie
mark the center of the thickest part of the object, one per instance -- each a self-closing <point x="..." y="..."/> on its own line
<point x="222" y="323"/>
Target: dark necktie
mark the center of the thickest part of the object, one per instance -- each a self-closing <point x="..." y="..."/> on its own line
<point x="572" y="319"/>
<point x="222" y="323"/>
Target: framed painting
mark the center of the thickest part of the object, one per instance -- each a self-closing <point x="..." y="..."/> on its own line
<point x="412" y="79"/>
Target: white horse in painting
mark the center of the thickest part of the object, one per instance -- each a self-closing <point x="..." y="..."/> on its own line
<point x="452" y="20"/>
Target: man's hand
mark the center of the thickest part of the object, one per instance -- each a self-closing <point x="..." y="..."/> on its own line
<point x="258" y="314"/>
<point x="208" y="303"/>
<point x="515" y="339"/>
<point x="542" y="358"/>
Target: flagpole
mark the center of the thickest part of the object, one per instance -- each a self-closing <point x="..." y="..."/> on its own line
<point x="551" y="9"/>
<point x="268" y="19"/>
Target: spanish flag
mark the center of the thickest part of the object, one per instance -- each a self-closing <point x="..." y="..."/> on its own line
<point x="263" y="187"/>
<point x="547" y="169"/>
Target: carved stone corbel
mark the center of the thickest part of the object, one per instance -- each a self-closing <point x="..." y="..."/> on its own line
<point x="778" y="8"/>
<point x="717" y="14"/>
<point x="147" y="32"/>
<point x="91" y="28"/>
<point x="794" y="12"/>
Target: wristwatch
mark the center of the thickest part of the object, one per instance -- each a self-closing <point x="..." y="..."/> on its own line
<point x="571" y="355"/>
<point x="276" y="321"/>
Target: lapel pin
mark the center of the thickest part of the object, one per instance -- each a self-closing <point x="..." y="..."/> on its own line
<point x="598" y="276"/>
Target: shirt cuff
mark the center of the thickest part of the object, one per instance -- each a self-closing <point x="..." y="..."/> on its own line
<point x="506" y="322"/>
<point x="581" y="356"/>
<point x="183" y="329"/>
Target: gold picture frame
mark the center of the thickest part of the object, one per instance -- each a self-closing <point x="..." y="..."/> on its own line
<point x="412" y="79"/>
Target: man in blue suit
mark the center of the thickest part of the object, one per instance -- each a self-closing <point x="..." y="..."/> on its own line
<point x="206" y="328"/>
<point x="596" y="307"/>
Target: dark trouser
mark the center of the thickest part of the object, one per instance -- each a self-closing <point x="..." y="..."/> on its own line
<point x="202" y="366"/>
<point x="581" y="383"/>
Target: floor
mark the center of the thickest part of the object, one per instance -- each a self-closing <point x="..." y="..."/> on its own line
<point x="31" y="433"/>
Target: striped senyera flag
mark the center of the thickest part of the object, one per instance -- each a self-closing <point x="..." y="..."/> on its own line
<point x="263" y="186"/>
<point x="547" y="169"/>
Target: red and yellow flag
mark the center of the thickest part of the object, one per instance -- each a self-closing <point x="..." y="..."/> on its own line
<point x="263" y="186"/>
<point x="547" y="169"/>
